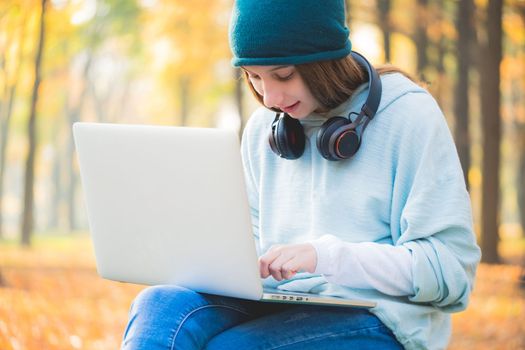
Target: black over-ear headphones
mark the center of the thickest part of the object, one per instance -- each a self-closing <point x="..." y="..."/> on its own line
<point x="338" y="137"/>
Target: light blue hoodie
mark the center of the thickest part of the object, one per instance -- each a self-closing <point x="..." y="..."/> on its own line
<point x="403" y="187"/>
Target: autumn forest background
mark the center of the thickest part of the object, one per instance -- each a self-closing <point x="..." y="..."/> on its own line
<point x="167" y="62"/>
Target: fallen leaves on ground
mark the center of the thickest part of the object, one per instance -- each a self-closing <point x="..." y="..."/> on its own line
<point x="52" y="298"/>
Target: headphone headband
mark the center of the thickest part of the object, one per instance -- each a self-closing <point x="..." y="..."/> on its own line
<point x="371" y="104"/>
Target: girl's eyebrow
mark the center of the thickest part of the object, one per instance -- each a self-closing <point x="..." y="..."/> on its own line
<point x="271" y="70"/>
<point x="279" y="67"/>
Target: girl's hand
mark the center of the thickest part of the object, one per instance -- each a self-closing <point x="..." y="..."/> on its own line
<point x="284" y="261"/>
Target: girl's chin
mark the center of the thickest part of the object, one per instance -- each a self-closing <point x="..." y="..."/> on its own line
<point x="298" y="115"/>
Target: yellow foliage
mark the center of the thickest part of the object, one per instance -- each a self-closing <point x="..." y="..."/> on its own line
<point x="514" y="28"/>
<point x="194" y="40"/>
<point x="474" y="176"/>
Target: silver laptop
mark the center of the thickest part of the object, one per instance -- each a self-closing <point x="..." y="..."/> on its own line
<point x="168" y="205"/>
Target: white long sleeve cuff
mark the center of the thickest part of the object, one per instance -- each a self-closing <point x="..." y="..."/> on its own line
<point x="365" y="265"/>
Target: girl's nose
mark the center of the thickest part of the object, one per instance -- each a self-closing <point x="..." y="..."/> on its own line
<point x="272" y="96"/>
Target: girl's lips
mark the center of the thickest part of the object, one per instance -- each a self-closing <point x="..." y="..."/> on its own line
<point x="291" y="108"/>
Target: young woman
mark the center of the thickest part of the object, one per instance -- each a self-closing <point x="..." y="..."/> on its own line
<point x="381" y="215"/>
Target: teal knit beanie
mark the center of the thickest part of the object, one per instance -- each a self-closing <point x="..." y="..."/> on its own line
<point x="275" y="32"/>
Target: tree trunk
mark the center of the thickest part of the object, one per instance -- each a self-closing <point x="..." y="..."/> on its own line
<point x="4" y="133"/>
<point x="27" y="215"/>
<point x="465" y="25"/>
<point x="71" y="178"/>
<point x="491" y="129"/>
<point x="520" y="186"/>
<point x="184" y="86"/>
<point x="520" y="127"/>
<point x="348" y="7"/>
<point x="6" y="114"/>
<point x="239" y="83"/>
<point x="384" y="24"/>
<point x="521" y="165"/>
<point x="54" y="198"/>
<point x="421" y="37"/>
<point x="74" y="116"/>
<point x="437" y="12"/>
<point x="4" y="137"/>
<point x="100" y="103"/>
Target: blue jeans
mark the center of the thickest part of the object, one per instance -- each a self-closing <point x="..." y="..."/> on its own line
<point x="171" y="317"/>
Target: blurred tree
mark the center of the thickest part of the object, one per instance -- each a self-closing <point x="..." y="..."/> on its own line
<point x="73" y="112"/>
<point x="520" y="128"/>
<point x="442" y="41"/>
<point x="520" y="186"/>
<point x="348" y="12"/>
<point x="490" y="60"/>
<point x="113" y="20"/>
<point x="11" y="50"/>
<point x="66" y="56"/>
<point x="184" y="88"/>
<point x="112" y="38"/>
<point x="193" y="43"/>
<point x="74" y="106"/>
<point x="64" y="45"/>
<point x="384" y="7"/>
<point x="421" y="37"/>
<point x="27" y="214"/>
<point x="464" y="47"/>
<point x="56" y="181"/>
<point x="239" y="92"/>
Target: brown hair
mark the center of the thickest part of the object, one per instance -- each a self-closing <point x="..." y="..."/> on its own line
<point x="332" y="82"/>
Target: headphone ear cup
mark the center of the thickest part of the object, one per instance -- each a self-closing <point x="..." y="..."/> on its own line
<point x="347" y="143"/>
<point x="272" y="138"/>
<point x="287" y="138"/>
<point x="325" y="141"/>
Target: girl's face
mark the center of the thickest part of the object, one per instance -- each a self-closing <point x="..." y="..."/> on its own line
<point x="283" y="88"/>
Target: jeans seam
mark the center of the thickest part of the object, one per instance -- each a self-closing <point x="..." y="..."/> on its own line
<point x="194" y="311"/>
<point x="330" y="335"/>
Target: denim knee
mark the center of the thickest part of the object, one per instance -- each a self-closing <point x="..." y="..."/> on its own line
<point x="172" y="317"/>
<point x="155" y="315"/>
<point x="157" y="299"/>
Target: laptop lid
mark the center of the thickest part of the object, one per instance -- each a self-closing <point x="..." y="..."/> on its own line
<point x="168" y="205"/>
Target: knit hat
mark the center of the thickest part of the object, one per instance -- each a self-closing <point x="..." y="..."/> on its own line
<point x="275" y="32"/>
